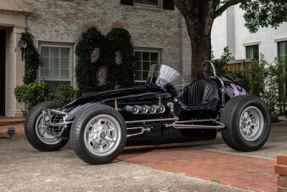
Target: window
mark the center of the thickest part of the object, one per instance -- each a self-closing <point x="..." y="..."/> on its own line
<point x="165" y="4"/>
<point x="252" y="52"/>
<point x="147" y="2"/>
<point x="282" y="48"/>
<point x="144" y="59"/>
<point x="57" y="65"/>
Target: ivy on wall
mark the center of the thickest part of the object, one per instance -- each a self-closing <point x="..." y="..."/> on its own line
<point x="32" y="60"/>
<point x="87" y="71"/>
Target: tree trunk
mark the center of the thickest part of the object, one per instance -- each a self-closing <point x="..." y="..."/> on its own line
<point x="201" y="51"/>
<point x="199" y="17"/>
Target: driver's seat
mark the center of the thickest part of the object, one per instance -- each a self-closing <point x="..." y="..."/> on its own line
<point x="200" y="94"/>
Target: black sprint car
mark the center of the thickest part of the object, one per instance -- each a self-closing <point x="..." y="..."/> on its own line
<point x="165" y="110"/>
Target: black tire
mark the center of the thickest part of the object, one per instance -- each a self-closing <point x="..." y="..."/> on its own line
<point x="82" y="123"/>
<point x="231" y="115"/>
<point x="32" y="134"/>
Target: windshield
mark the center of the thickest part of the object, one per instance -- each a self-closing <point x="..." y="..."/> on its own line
<point x="166" y="77"/>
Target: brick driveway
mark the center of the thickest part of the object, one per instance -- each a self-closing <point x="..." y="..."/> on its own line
<point x="243" y="172"/>
<point x="204" y="160"/>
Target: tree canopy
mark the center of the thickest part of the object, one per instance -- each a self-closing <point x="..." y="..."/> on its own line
<point x="200" y="14"/>
<point x="264" y="13"/>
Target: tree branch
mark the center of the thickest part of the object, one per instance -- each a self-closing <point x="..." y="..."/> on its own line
<point x="179" y="5"/>
<point x="226" y="5"/>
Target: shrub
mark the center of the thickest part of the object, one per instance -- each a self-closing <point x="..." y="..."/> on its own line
<point x="87" y="93"/>
<point x="64" y="94"/>
<point x="32" y="60"/>
<point x="274" y="117"/>
<point x="118" y="39"/>
<point x="36" y="93"/>
<point x="31" y="94"/>
<point x="222" y="61"/>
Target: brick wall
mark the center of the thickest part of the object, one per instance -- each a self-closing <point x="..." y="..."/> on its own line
<point x="64" y="21"/>
<point x="281" y="169"/>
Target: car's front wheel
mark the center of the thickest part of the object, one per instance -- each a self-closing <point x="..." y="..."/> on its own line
<point x="37" y="134"/>
<point x="248" y="123"/>
<point x="98" y="135"/>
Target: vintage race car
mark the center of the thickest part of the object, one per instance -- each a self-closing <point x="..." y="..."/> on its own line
<point x="165" y="110"/>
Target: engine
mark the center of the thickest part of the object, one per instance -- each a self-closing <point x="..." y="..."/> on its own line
<point x="145" y="109"/>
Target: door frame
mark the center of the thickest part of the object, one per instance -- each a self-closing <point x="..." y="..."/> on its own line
<point x="3" y="74"/>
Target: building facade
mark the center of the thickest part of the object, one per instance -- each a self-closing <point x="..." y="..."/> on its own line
<point x="229" y="30"/>
<point x="157" y="29"/>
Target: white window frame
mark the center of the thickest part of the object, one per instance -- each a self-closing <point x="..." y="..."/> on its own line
<point x="147" y="51"/>
<point x="70" y="63"/>
<point x="159" y="3"/>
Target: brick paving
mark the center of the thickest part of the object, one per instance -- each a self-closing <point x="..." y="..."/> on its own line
<point x="243" y="172"/>
<point x="19" y="131"/>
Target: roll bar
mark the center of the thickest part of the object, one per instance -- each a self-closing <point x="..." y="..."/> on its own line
<point x="223" y="88"/>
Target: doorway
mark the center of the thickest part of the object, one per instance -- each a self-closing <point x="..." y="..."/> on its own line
<point x="2" y="71"/>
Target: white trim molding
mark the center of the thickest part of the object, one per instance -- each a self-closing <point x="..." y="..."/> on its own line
<point x="251" y="43"/>
<point x="276" y="40"/>
<point x="15" y="6"/>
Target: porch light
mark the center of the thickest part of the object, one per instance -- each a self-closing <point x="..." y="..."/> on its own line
<point x="22" y="45"/>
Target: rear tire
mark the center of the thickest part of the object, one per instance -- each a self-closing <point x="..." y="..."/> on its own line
<point x="98" y="134"/>
<point x="248" y="123"/>
<point x="36" y="136"/>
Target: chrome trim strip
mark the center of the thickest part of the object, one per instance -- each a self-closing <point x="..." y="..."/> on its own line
<point x="196" y="121"/>
<point x="48" y="111"/>
<point x="179" y="125"/>
<point x="135" y="128"/>
<point x="184" y="126"/>
<point x="58" y="112"/>
<point x="151" y="120"/>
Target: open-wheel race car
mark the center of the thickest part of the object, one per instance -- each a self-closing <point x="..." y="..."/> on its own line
<point x="165" y="110"/>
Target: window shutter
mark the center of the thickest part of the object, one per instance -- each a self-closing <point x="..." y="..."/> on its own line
<point x="168" y="4"/>
<point x="127" y="2"/>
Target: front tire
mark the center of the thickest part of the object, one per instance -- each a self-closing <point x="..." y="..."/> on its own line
<point x="248" y="123"/>
<point x="36" y="135"/>
<point x="98" y="135"/>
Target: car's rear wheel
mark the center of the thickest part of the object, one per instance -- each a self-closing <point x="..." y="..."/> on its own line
<point x="98" y="134"/>
<point x="247" y="121"/>
<point x="37" y="134"/>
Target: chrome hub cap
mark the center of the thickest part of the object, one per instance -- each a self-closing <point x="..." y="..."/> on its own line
<point x="251" y="123"/>
<point x="43" y="134"/>
<point x="102" y="135"/>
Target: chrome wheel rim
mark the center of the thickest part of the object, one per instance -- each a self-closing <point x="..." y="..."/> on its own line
<point x="102" y="135"/>
<point x="42" y="133"/>
<point x="251" y="123"/>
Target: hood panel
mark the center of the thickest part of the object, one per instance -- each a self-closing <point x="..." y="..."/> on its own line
<point x="137" y="95"/>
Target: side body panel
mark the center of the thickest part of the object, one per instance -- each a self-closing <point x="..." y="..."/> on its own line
<point x="146" y="95"/>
